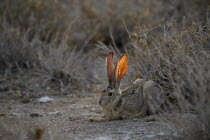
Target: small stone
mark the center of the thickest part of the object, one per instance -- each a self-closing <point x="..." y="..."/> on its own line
<point x="92" y="110"/>
<point x="74" y="117"/>
<point x="36" y="85"/>
<point x="91" y="119"/>
<point x="135" y="119"/>
<point x="36" y="115"/>
<point x="26" y="99"/>
<point x="2" y="114"/>
<point x="9" y="107"/>
<point x="150" y="118"/>
<point x="45" y="99"/>
<point x="55" y="113"/>
<point x="15" y="114"/>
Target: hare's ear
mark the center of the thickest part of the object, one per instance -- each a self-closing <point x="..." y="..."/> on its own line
<point x="121" y="69"/>
<point x="110" y="67"/>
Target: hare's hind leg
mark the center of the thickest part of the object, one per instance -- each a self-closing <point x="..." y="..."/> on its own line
<point x="152" y="97"/>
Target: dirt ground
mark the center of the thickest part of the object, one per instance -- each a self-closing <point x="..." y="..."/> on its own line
<point x="66" y="117"/>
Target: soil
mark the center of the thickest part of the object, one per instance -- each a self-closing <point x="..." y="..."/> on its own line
<point x="67" y="117"/>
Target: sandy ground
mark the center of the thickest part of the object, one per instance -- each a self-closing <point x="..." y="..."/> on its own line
<point x="66" y="117"/>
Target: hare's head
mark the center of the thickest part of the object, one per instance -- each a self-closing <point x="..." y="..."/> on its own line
<point x="115" y="75"/>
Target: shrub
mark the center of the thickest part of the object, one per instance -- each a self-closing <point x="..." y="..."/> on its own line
<point x="16" y="50"/>
<point x="61" y="62"/>
<point x="52" y="19"/>
<point x="176" y="57"/>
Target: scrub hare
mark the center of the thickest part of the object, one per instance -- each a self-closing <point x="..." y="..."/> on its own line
<point x="135" y="101"/>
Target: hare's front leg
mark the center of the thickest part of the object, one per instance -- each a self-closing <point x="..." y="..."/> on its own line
<point x="108" y="116"/>
<point x="152" y="96"/>
<point x="104" y="118"/>
<point x="99" y="119"/>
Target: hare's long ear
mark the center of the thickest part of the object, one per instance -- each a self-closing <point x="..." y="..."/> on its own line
<point x="121" y="69"/>
<point x="110" y="67"/>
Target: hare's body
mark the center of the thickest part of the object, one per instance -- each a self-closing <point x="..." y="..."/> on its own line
<point x="135" y="101"/>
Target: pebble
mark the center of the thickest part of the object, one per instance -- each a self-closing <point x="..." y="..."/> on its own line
<point x="45" y="99"/>
<point x="35" y="115"/>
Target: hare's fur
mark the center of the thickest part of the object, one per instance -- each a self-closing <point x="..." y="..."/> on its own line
<point x="135" y="101"/>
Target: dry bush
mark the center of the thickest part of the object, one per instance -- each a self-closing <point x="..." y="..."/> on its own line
<point x="43" y="18"/>
<point x="58" y="63"/>
<point x="52" y="19"/>
<point x="16" y="50"/>
<point x="177" y="57"/>
<point x="63" y="64"/>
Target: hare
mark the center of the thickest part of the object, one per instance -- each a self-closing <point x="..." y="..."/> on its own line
<point x="135" y="101"/>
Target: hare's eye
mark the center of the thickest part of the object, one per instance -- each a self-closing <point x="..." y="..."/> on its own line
<point x="110" y="94"/>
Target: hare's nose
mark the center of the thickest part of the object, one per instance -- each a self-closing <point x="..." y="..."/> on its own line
<point x="104" y="90"/>
<point x="99" y="102"/>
